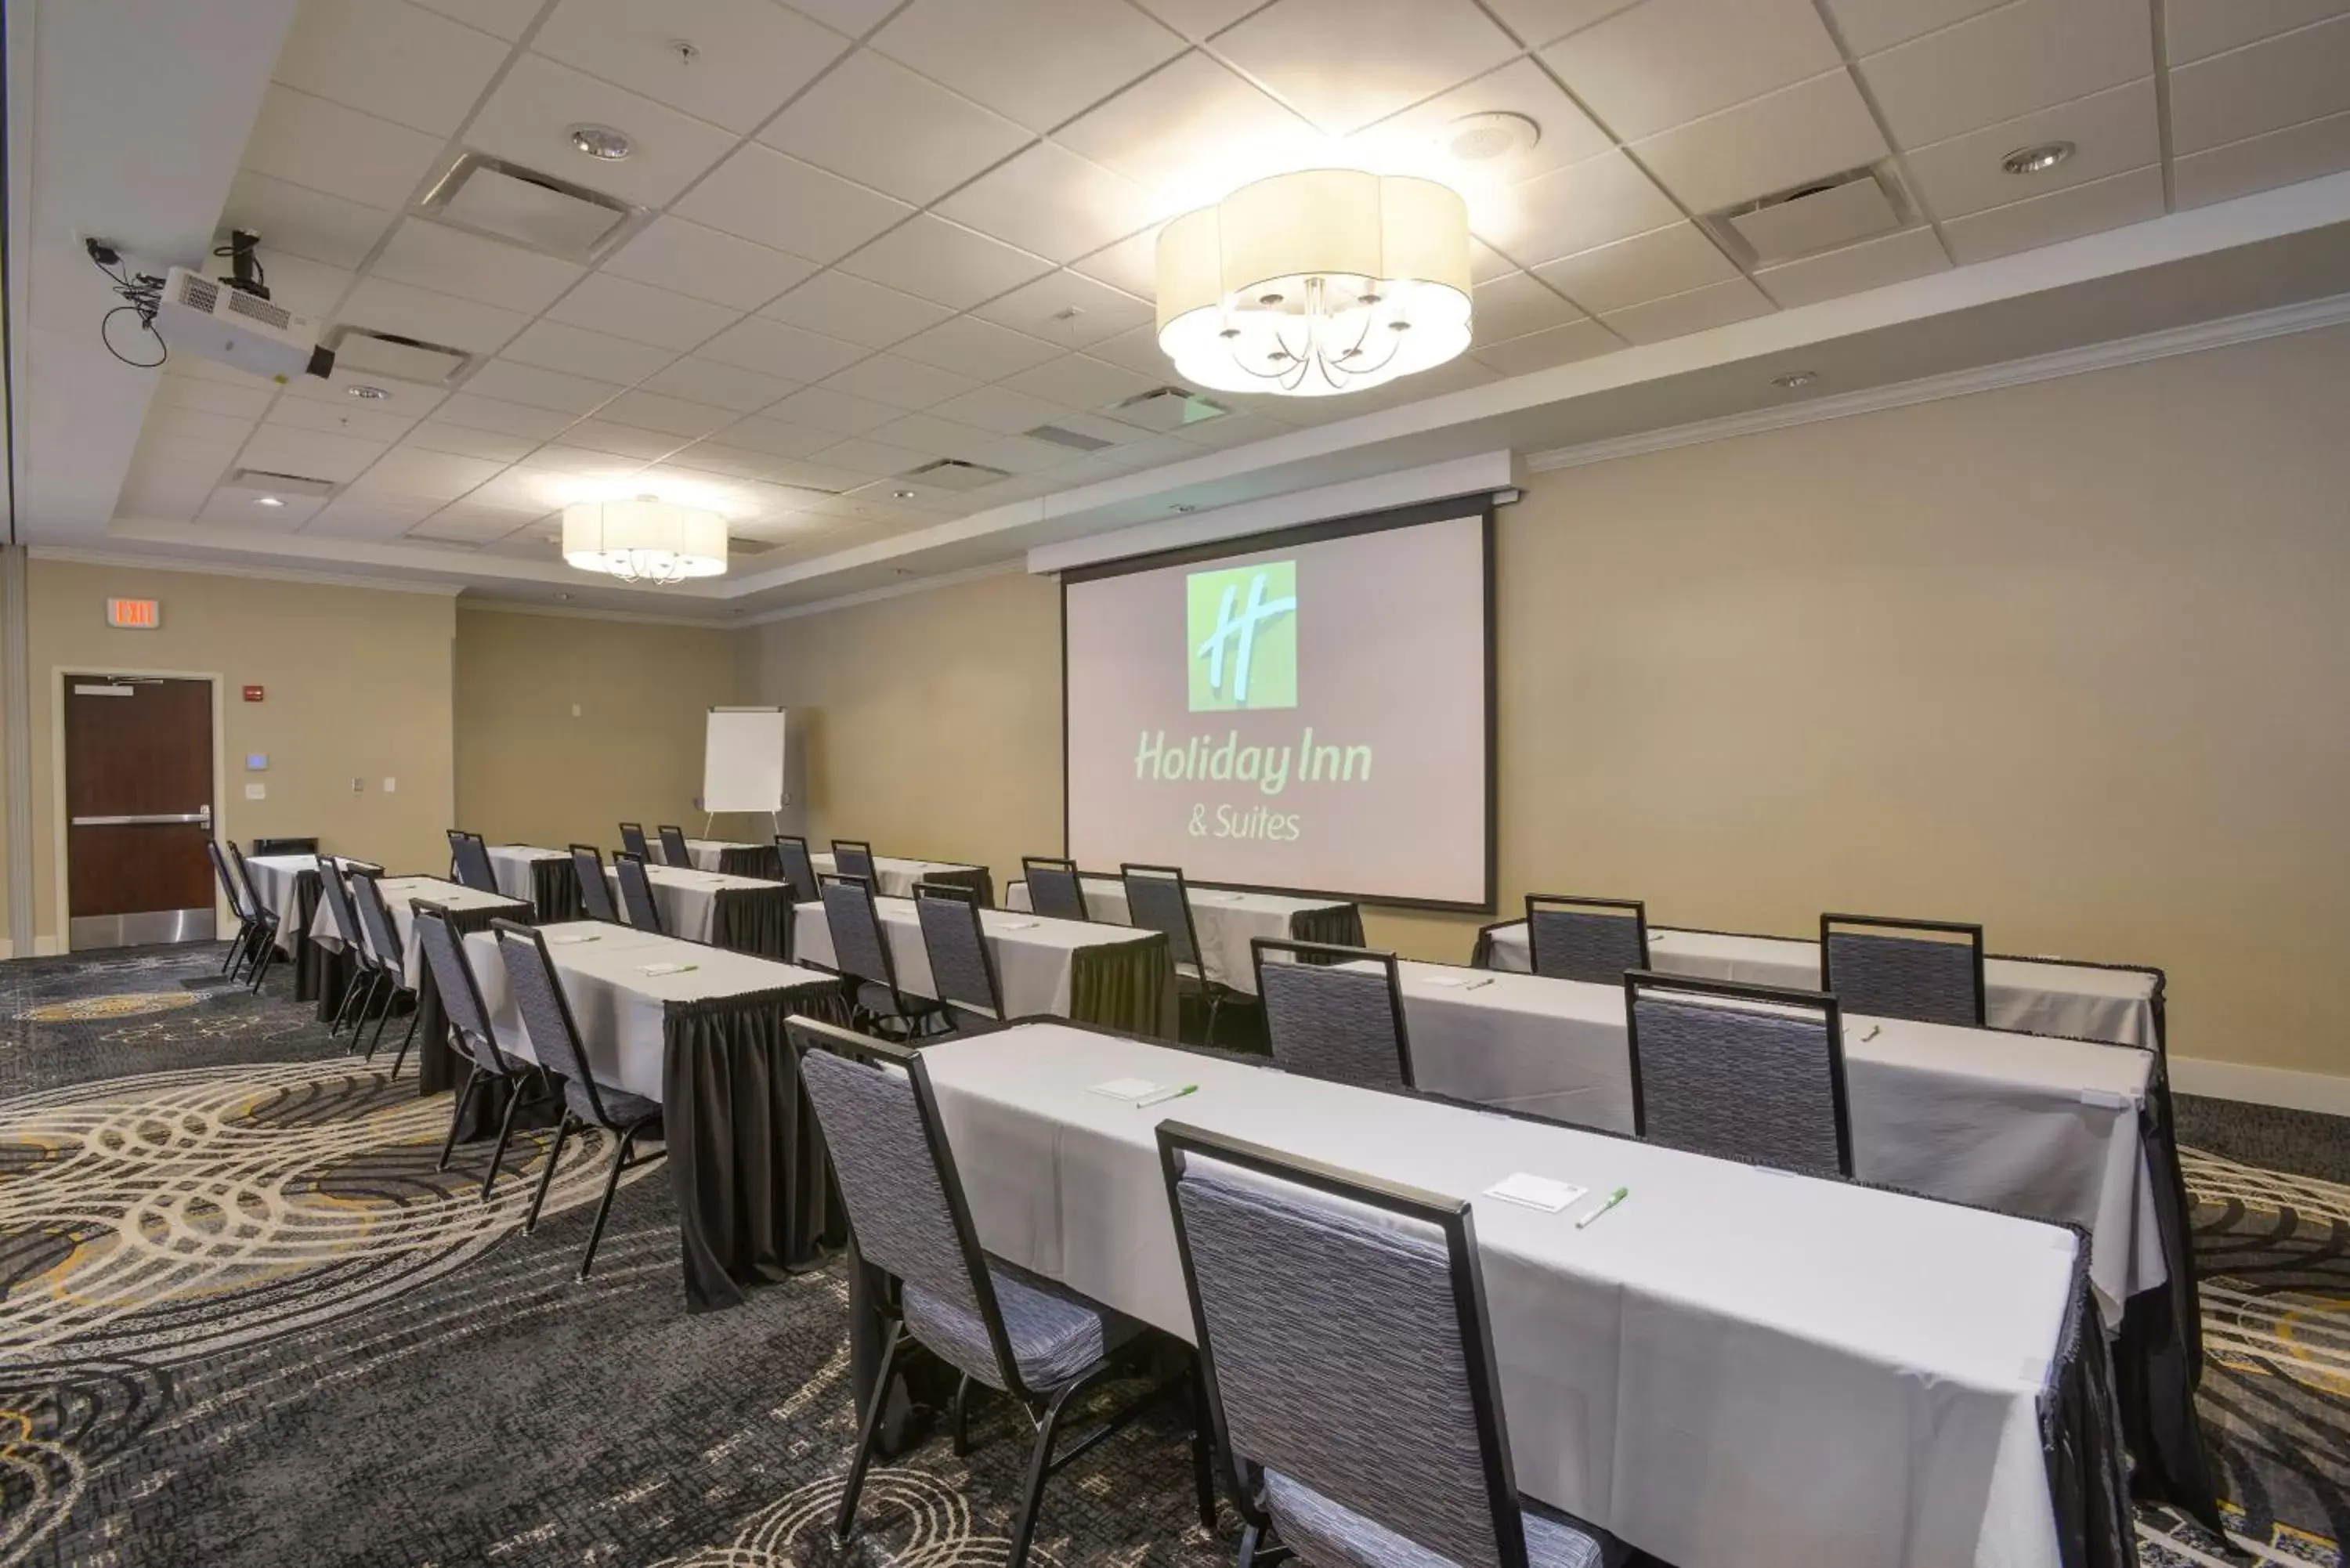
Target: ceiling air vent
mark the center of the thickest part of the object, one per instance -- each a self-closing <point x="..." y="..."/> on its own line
<point x="507" y="202"/>
<point x="1074" y="441"/>
<point x="387" y="354"/>
<point x="954" y="473"/>
<point x="261" y="482"/>
<point x="1817" y="215"/>
<point x="740" y="546"/>
<point x="1166" y="409"/>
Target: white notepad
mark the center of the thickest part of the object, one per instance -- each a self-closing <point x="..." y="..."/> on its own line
<point x="1016" y="926"/>
<point x="1125" y="1088"/>
<point x="1459" y="981"/>
<point x="570" y="937"/>
<point x="1535" y="1192"/>
<point x="664" y="968"/>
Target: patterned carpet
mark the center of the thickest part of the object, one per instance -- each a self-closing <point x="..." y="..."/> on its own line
<point x="244" y="1321"/>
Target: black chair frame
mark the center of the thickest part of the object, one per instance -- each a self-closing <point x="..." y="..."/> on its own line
<point x="621" y="857"/>
<point x="593" y="891"/>
<point x="632" y="839"/>
<point x="912" y="1010"/>
<point x="1639" y="907"/>
<point x="1896" y="923"/>
<point x="845" y="849"/>
<point x="1044" y="1408"/>
<point x="256" y="929"/>
<point x="366" y="899"/>
<point x="1028" y="865"/>
<point x="285" y="847"/>
<point x="1214" y="995"/>
<point x="459" y="842"/>
<point x="476" y="1072"/>
<point x="1819" y="1001"/>
<point x="785" y="845"/>
<point x="968" y="898"/>
<point x="674" y="851"/>
<point x="336" y="891"/>
<point x="1333" y="954"/>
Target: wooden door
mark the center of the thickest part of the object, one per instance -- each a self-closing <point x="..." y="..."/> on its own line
<point x="139" y="809"/>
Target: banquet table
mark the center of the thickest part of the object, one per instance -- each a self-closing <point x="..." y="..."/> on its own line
<point x="542" y="877"/>
<point x="747" y="914"/>
<point x="1736" y="1368"/>
<point x="287" y="887"/>
<point x="735" y="860"/>
<point x="1224" y="921"/>
<point x="2036" y="995"/>
<point x="1115" y="977"/>
<point x="708" y="1043"/>
<point x="895" y="878"/>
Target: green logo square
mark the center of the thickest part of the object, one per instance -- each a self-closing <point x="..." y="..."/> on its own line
<point x="1242" y="637"/>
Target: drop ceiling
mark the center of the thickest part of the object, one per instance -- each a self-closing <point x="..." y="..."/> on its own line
<point x="865" y="237"/>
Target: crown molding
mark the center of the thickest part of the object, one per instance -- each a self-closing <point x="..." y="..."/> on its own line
<point x="2285" y="320"/>
<point x="264" y="574"/>
<point x="889" y="591"/>
<point x="475" y="602"/>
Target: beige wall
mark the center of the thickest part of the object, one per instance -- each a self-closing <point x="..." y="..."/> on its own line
<point x="568" y="727"/>
<point x="356" y="683"/>
<point x="2067" y="659"/>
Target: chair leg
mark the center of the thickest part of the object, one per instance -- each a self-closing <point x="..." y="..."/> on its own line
<point x="506" y="1131"/>
<point x="360" y="990"/>
<point x="1215" y="1007"/>
<point x="383" y="1016"/>
<point x="268" y="940"/>
<point x="963" y="1417"/>
<point x="406" y="1040"/>
<point x="457" y="1113"/>
<point x="1204" y="1473"/>
<point x="1249" y="1535"/>
<point x="604" y="1209"/>
<point x="547" y="1176"/>
<point x="863" y="1455"/>
<point x="1040" y="1468"/>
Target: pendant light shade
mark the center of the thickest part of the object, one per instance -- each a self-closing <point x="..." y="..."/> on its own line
<point x="644" y="540"/>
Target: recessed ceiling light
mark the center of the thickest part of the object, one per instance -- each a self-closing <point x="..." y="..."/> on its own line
<point x="268" y="501"/>
<point x="1184" y="507"/>
<point x="600" y="142"/>
<point x="566" y="597"/>
<point x="1794" y="379"/>
<point x="2036" y="160"/>
<point x="903" y="494"/>
<point x="367" y="394"/>
<point x="1481" y="138"/>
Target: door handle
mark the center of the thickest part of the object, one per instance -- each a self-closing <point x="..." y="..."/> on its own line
<point x="203" y="817"/>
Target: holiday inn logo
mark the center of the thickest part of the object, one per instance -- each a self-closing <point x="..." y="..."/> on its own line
<point x="1242" y="640"/>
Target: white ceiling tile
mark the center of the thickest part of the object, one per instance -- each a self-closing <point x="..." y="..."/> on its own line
<point x="901" y="383"/>
<point x="371" y="514"/>
<point x="1233" y="430"/>
<point x="1019" y="454"/>
<point x="451" y="261"/>
<point x="1539" y="22"/>
<point x="304" y="286"/>
<point x="942" y="437"/>
<point x="297" y="221"/>
<point x="2066" y="214"/>
<point x="806" y="474"/>
<point x="467" y="522"/>
<point x="715" y="382"/>
<point x="526" y="422"/>
<point x="509" y="19"/>
<point x="390" y="60"/>
<point x="936" y="260"/>
<point x="773" y="348"/>
<point x="576" y="351"/>
<point x="824" y="408"/>
<point x="2196" y="29"/>
<point x="325" y="146"/>
<point x="1199" y="19"/>
<point x="1868" y="26"/>
<point x="1486" y="264"/>
<point x="846" y="306"/>
<point x="881" y="125"/>
<point x="199" y="426"/>
<point x="854" y="18"/>
<point x="1050" y="202"/>
<point x="628" y="308"/>
<point x="577" y="462"/>
<point x="312" y="454"/>
<point x="411" y="398"/>
<point x="1565" y="134"/>
<point x="1068" y="310"/>
<point x="1130" y="267"/>
<point x="2111" y="131"/>
<point x="1667" y="62"/>
<point x="439" y="474"/>
<point x="247" y="403"/>
<point x="749" y="55"/>
<point x="237" y="509"/>
<point x="716" y="457"/>
<point x="1872" y="263"/>
<point x="673" y="416"/>
<point x="999" y="409"/>
<point x="979" y="349"/>
<point x="1038" y="62"/>
<point x="2262" y="163"/>
<point x="1139" y="350"/>
<point x="1077" y="381"/>
<point x="529" y="115"/>
<point x="1345" y="63"/>
<point x="1513" y="306"/>
<point x="763" y="195"/>
<point x="506" y="381"/>
<point x="1632" y="272"/>
<point x="429" y="316"/>
<point x="1767" y="144"/>
<point x="622" y="441"/>
<point x="1191" y="132"/>
<point x="438" y="435"/>
<point x="2008" y="62"/>
<point x="347" y="418"/>
<point x="2264" y="87"/>
<point x="1573" y="209"/>
<point x="871" y="457"/>
<point x="706" y="264"/>
<point x="777" y="438"/>
<point x="1677" y="316"/>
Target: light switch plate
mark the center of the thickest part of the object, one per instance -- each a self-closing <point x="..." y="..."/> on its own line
<point x="256" y="792"/>
<point x="389" y="784"/>
<point x="358" y="785"/>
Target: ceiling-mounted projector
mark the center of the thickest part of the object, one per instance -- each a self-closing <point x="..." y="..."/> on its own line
<point x="218" y="320"/>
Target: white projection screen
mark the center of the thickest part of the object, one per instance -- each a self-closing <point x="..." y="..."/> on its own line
<point x="1308" y="710"/>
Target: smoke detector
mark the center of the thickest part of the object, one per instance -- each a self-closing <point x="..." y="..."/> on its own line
<point x="1483" y="138"/>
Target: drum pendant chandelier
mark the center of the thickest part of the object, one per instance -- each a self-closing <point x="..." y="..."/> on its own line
<point x="1307" y="285"/>
<point x="646" y="540"/>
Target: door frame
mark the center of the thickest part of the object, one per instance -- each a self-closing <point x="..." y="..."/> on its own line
<point x="61" y="809"/>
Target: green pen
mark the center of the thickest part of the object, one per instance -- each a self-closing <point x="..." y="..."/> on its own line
<point x="1164" y="1095"/>
<point x="1614" y="1198"/>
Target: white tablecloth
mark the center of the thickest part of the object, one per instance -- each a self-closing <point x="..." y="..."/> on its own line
<point x="1223" y="920"/>
<point x="511" y="863"/>
<point x="688" y="899"/>
<point x="2016" y="1122"/>
<point x="2039" y="996"/>
<point x="896" y="877"/>
<point x="271" y="879"/>
<point x="397" y="893"/>
<point x="617" y="1007"/>
<point x="1734" y="1369"/>
<point x="1033" y="956"/>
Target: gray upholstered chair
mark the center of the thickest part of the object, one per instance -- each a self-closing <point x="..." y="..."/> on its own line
<point x="861" y="951"/>
<point x="637" y="892"/>
<point x="469" y="1031"/>
<point x="1750" y="1072"/>
<point x="1334" y="1013"/>
<point x="244" y="875"/>
<point x="1929" y="970"/>
<point x="963" y="972"/>
<point x="469" y="857"/>
<point x="1158" y="899"/>
<point x="799" y="870"/>
<point x="361" y="987"/>
<point x="1056" y="889"/>
<point x="854" y="857"/>
<point x="555" y="1042"/>
<point x="1595" y="940"/>
<point x="673" y="850"/>
<point x="379" y="946"/>
<point x="1343" y="1336"/>
<point x="595" y="893"/>
<point x="256" y="927"/>
<point x="1000" y="1326"/>
<point x="632" y="839"/>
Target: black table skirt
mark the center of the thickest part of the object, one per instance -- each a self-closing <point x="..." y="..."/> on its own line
<point x="1340" y="925"/>
<point x="759" y="861"/>
<point x="309" y="960"/>
<point x="555" y="892"/>
<point x="754" y="1184"/>
<point x="756" y="920"/>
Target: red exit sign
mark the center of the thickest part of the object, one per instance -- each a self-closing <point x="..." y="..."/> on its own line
<point x="134" y="615"/>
